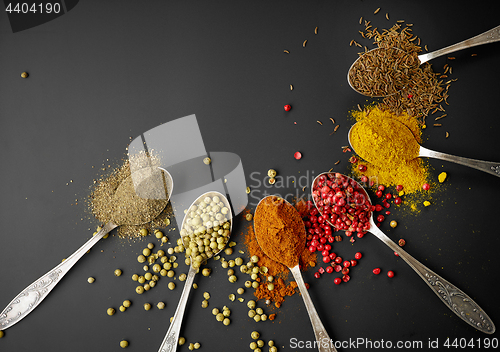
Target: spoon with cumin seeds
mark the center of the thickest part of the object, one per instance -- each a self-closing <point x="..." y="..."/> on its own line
<point x="281" y="234"/>
<point x="127" y="208"/>
<point x="381" y="72"/>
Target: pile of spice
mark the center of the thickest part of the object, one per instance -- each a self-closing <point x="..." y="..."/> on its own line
<point x="113" y="198"/>
<point x="274" y="272"/>
<point x="389" y="145"/>
<point x="424" y="91"/>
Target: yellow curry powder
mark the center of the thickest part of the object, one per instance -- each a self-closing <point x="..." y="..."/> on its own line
<point x="389" y="150"/>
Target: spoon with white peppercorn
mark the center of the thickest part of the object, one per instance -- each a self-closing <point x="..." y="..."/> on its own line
<point x="205" y="231"/>
<point x="127" y="209"/>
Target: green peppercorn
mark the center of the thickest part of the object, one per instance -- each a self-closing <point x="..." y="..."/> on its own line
<point x="123" y="344"/>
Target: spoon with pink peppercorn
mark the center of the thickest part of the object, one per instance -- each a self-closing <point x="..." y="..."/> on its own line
<point x="345" y="204"/>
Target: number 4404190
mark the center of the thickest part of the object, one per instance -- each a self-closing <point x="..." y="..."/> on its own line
<point x="33" y="8"/>
<point x="474" y="343"/>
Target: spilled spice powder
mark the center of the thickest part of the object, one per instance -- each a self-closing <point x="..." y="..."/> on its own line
<point x="412" y="173"/>
<point x="109" y="201"/>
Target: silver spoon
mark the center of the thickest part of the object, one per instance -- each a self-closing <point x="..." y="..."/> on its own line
<point x="486" y="166"/>
<point x="170" y="342"/>
<point x="320" y="333"/>
<point x="493" y="35"/>
<point x="461" y="304"/>
<point x="29" y="298"/>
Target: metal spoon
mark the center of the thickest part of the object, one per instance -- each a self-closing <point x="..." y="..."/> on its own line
<point x="461" y="304"/>
<point x="29" y="298"/>
<point x="324" y="341"/>
<point x="486" y="166"/>
<point x="170" y="342"/>
<point x="493" y="35"/>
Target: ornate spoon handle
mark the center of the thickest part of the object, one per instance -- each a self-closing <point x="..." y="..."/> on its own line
<point x="461" y="304"/>
<point x="493" y="35"/>
<point x="29" y="298"/>
<point x="486" y="166"/>
<point x="170" y="342"/>
<point x="325" y="344"/>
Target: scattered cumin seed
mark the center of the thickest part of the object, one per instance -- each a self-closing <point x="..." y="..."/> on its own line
<point x="304" y="43"/>
<point x="304" y="188"/>
<point x="336" y="128"/>
<point x="387" y="16"/>
<point x="473" y="55"/>
<point x="451" y="57"/>
<point x="330" y="170"/>
<point x="333" y="121"/>
<point x="376" y="11"/>
<point x="425" y="47"/>
<point x="437" y="125"/>
<point x="359" y="108"/>
<point x="286" y="51"/>
<point x="291" y="87"/>
<point x="440" y="117"/>
<point x="361" y="20"/>
<point x="321" y="123"/>
<point x="351" y="43"/>
<point x="316" y="30"/>
<point x="447" y="134"/>
<point x="338" y="161"/>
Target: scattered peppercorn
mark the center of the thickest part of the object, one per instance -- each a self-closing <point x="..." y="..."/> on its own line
<point x="287" y="107"/>
<point x="390" y="273"/>
<point x="376" y="271"/>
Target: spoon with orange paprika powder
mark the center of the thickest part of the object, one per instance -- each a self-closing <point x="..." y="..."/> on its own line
<point x="281" y="234"/>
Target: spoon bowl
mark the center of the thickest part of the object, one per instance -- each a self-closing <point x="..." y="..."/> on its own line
<point x="170" y="342"/>
<point x="493" y="35"/>
<point x="29" y="298"/>
<point x="413" y="146"/>
<point x="320" y="333"/>
<point x="334" y="192"/>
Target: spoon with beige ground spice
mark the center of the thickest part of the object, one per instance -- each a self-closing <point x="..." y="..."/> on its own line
<point x="126" y="208"/>
<point x="385" y="71"/>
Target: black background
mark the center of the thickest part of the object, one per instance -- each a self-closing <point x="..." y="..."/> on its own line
<point x="110" y="70"/>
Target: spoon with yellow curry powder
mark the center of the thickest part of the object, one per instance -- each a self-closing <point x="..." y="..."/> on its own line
<point x="388" y="143"/>
<point x="127" y="208"/>
<point x="344" y="204"/>
<point x="281" y="234"/>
